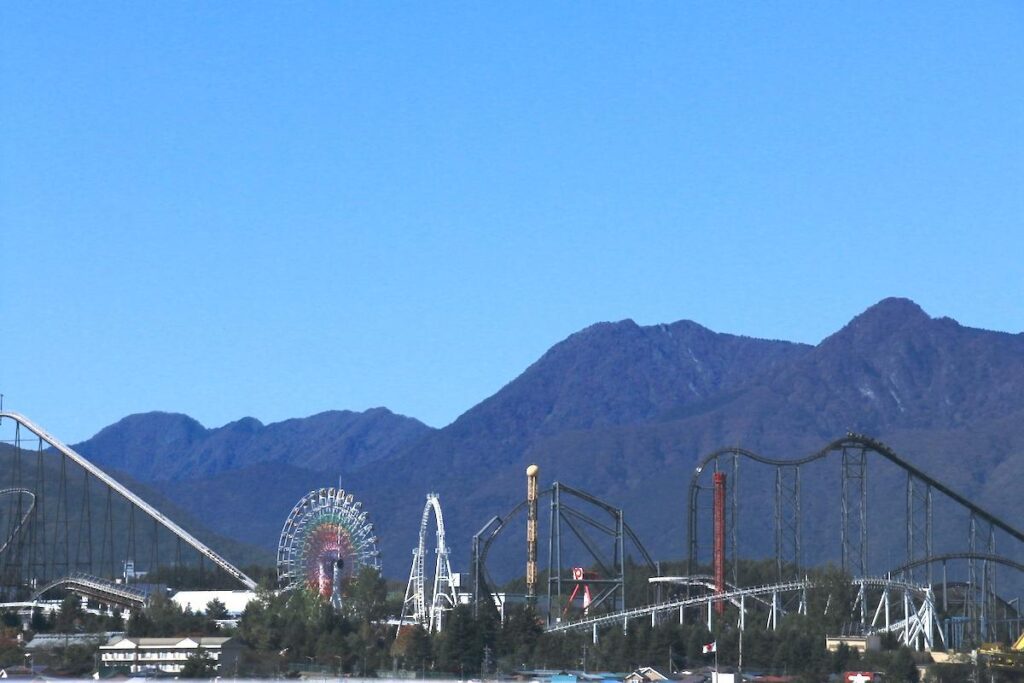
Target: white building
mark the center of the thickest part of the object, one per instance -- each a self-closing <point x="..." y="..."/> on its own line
<point x="168" y="654"/>
<point x="234" y="601"/>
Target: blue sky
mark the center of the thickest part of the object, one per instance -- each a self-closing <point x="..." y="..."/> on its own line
<point x="273" y="209"/>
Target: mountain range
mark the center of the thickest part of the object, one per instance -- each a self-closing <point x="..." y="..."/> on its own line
<point x="624" y="412"/>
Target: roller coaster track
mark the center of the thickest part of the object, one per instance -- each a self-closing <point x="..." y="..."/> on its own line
<point x="24" y="518"/>
<point x="917" y="623"/>
<point x="705" y="581"/>
<point x="647" y="610"/>
<point x="444" y="598"/>
<point x="86" y="584"/>
<point x="947" y="557"/>
<point x="138" y="502"/>
<point x="850" y="441"/>
<point x="889" y="454"/>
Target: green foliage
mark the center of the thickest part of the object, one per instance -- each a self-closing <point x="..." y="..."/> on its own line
<point x="199" y="665"/>
<point x="215" y="609"/>
<point x="74" y="660"/>
<point x="412" y="648"/>
<point x="11" y="653"/>
<point x="830" y="602"/>
<point x="71" y="616"/>
<point x="299" y="629"/>
<point x="902" y="667"/>
<point x="163" y="618"/>
<point x="460" y="647"/>
<point x="367" y="596"/>
<point x="520" y="635"/>
<point x="41" y="622"/>
<point x="954" y="673"/>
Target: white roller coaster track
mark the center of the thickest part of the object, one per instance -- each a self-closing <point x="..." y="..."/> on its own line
<point x="414" y="608"/>
<point x="166" y="522"/>
<point x="19" y="524"/>
<point x="917" y="626"/>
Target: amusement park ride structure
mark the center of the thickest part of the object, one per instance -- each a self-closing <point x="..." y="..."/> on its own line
<point x="597" y="533"/>
<point x="64" y="523"/>
<point x="850" y="458"/>
<point x="903" y="601"/>
<point x="326" y="540"/>
<point x="443" y="597"/>
<point x="67" y="519"/>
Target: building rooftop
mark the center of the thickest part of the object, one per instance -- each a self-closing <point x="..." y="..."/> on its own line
<point x="182" y="642"/>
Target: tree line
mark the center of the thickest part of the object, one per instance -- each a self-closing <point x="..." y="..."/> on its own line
<point x="286" y="631"/>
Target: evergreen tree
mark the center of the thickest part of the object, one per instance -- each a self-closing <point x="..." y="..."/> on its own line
<point x="71" y="616"/>
<point x="199" y="664"/>
<point x="215" y="609"/>
<point x="901" y="666"/>
<point x="460" y="648"/>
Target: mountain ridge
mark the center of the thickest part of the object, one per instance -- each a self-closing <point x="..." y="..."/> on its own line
<point x="178" y="445"/>
<point x="624" y="411"/>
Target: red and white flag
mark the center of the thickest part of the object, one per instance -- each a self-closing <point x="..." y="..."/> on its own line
<point x="711" y="647"/>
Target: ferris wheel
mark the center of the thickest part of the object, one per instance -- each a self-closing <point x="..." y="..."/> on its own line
<point x="325" y="540"/>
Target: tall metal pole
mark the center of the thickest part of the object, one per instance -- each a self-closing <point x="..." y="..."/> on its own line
<point x="476" y="576"/>
<point x="620" y="560"/>
<point x="733" y="520"/>
<point x="553" y="559"/>
<point x="556" y="502"/>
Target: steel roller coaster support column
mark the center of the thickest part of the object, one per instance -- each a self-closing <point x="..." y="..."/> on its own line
<point x="719" y="539"/>
<point x="787" y="522"/>
<point x="919" y="526"/>
<point x="855" y="506"/>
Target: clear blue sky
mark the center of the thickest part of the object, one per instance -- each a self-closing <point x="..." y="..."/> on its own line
<point x="274" y="209"/>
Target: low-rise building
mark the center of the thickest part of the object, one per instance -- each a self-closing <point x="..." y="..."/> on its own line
<point x="168" y="654"/>
<point x="859" y="644"/>
<point x="645" y="674"/>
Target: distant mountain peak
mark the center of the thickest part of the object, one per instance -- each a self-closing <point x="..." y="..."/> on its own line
<point x="246" y="425"/>
<point x="893" y="309"/>
<point x="158" y="421"/>
<point x="881" y="321"/>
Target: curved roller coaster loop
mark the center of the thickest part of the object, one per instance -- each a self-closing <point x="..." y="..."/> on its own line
<point x="443" y="597"/>
<point x="20" y="523"/>
<point x="608" y="525"/>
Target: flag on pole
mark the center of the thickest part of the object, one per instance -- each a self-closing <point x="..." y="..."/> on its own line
<point x="710" y="647"/>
